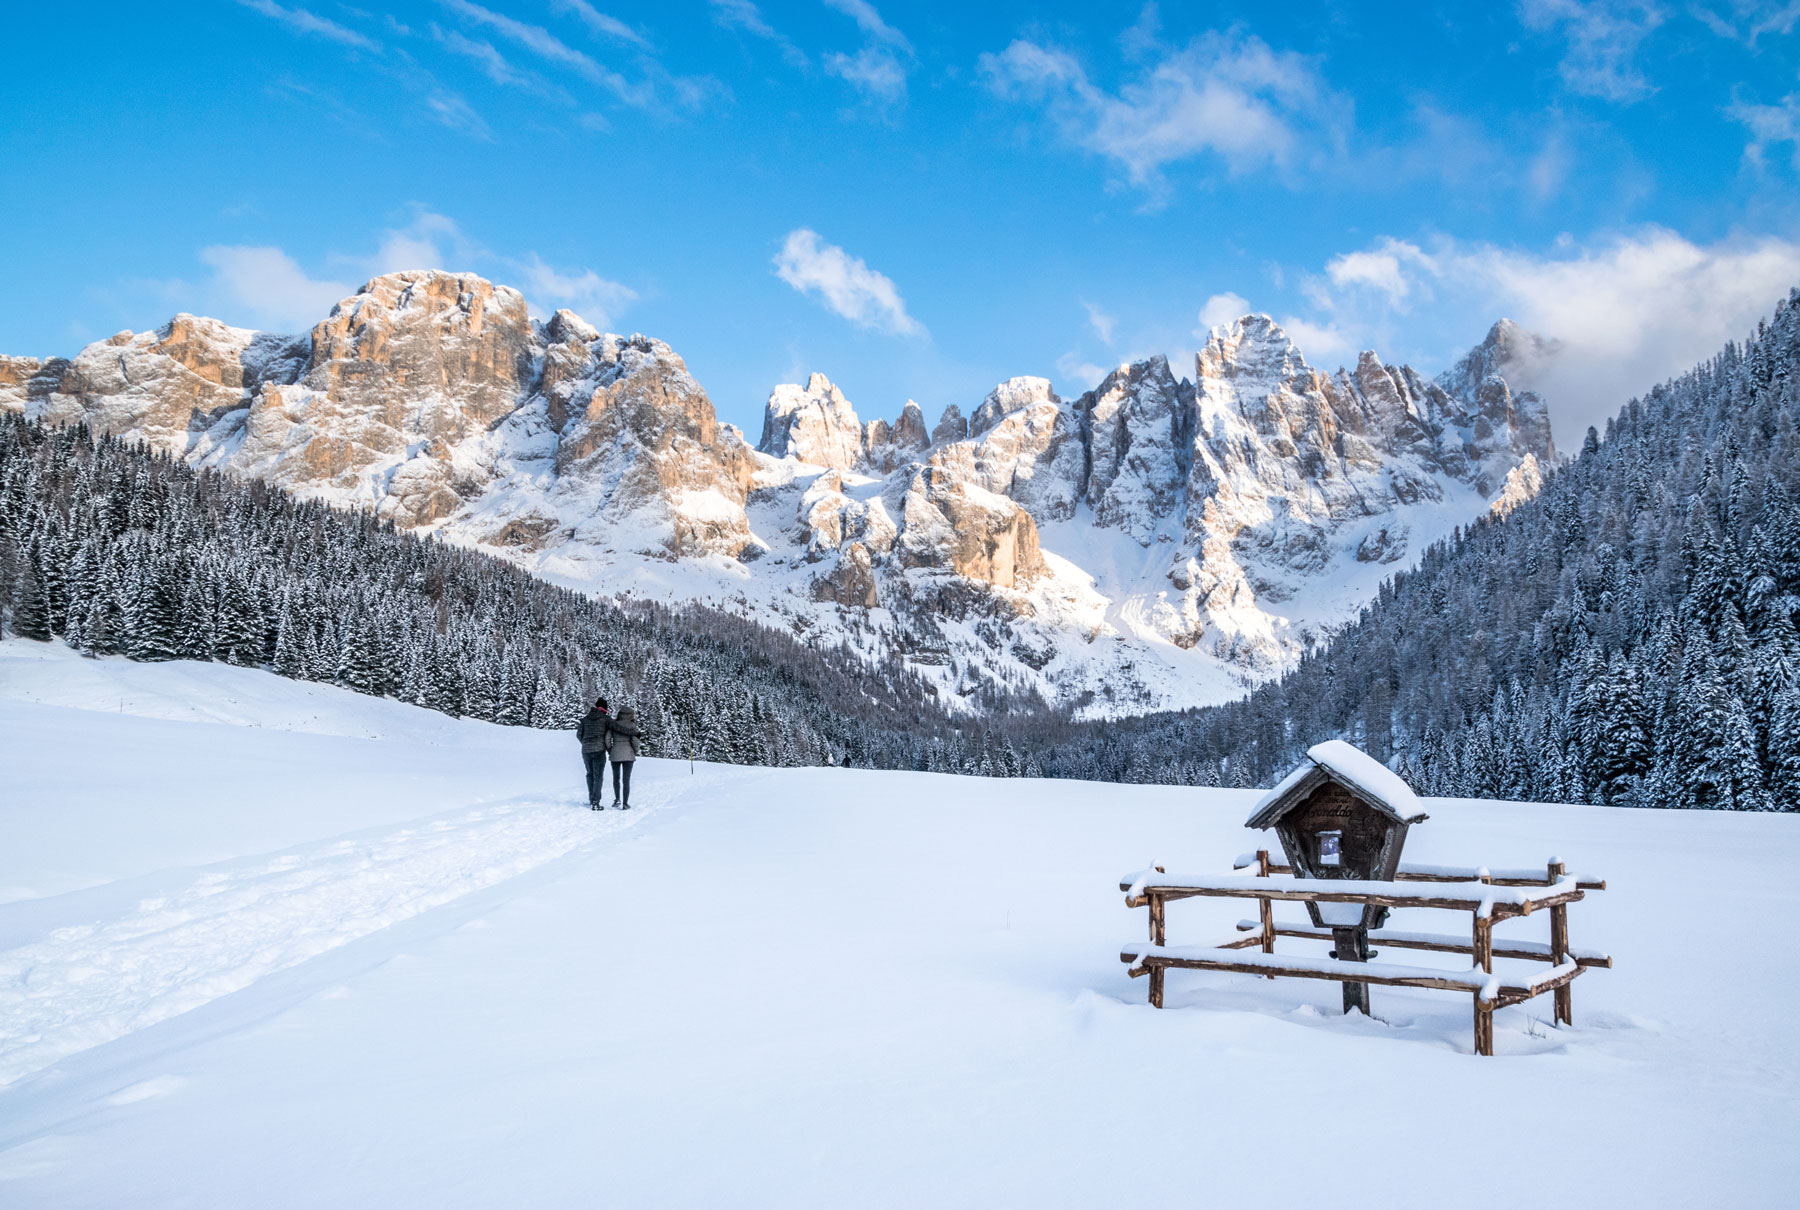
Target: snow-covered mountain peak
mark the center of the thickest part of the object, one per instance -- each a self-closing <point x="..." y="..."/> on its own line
<point x="1156" y="542"/>
<point x="1009" y="397"/>
<point x="814" y="424"/>
<point x="1253" y="347"/>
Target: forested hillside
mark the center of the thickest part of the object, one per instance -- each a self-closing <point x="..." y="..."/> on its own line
<point x="1626" y="637"/>
<point x="115" y="549"/>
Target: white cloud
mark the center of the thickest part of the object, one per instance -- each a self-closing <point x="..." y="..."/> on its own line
<point x="599" y="22"/>
<point x="1602" y="39"/>
<point x="870" y="22"/>
<point x="495" y="66"/>
<point x="1221" y="309"/>
<point x="268" y="287"/>
<point x="1549" y="168"/>
<point x="549" y="47"/>
<point x="1384" y="268"/>
<point x="1076" y="376"/>
<point x="1320" y="344"/>
<point x="1225" y="95"/>
<point x="848" y="286"/>
<point x="1102" y="323"/>
<point x="430" y="241"/>
<point x="594" y="298"/>
<point x="1629" y="312"/>
<point x="878" y="70"/>
<point x="872" y="71"/>
<point x="1751" y="19"/>
<point x="1770" y="126"/>
<point x="744" y="15"/>
<point x="305" y="22"/>
<point x="449" y="109"/>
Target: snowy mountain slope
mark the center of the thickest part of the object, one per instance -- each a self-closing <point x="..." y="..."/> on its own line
<point x="674" y="1015"/>
<point x="1266" y="499"/>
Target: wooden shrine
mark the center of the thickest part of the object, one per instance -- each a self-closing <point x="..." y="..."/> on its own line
<point x="1341" y="815"/>
<point x="1342" y="819"/>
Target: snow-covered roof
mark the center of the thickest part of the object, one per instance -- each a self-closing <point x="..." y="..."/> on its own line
<point x="1372" y="781"/>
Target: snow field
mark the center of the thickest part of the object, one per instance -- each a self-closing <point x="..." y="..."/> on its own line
<point x="792" y="988"/>
<point x="229" y="925"/>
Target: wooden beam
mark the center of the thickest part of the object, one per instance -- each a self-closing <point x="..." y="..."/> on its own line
<point x="1515" y="993"/>
<point x="1406" y="875"/>
<point x="1458" y="903"/>
<point x="1518" y="995"/>
<point x="1245" y="968"/>
<point x="1443" y="944"/>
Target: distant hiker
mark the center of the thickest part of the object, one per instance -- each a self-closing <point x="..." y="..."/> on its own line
<point x="591" y="731"/>
<point x="622" y="744"/>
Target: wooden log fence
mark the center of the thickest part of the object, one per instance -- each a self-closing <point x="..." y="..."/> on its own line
<point x="1490" y="897"/>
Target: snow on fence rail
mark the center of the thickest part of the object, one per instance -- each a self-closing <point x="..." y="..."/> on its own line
<point x="1489" y="896"/>
<point x="1415" y="871"/>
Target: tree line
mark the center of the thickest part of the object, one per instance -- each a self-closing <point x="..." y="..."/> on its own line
<point x="116" y="549"/>
<point x="1626" y="637"/>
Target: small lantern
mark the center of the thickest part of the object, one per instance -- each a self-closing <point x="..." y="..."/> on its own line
<point x="1342" y="814"/>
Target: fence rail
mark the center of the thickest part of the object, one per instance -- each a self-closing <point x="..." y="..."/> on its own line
<point x="1489" y="896"/>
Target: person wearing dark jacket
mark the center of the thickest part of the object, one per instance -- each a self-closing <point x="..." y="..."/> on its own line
<point x="591" y="731"/>
<point x="622" y="735"/>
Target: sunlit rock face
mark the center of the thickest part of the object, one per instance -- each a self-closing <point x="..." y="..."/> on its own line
<point x="814" y="424"/>
<point x="414" y="397"/>
<point x="1219" y="518"/>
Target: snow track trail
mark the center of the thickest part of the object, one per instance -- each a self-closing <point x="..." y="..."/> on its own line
<point x="228" y="925"/>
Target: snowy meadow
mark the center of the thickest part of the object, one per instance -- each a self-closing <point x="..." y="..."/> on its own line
<point x="267" y="942"/>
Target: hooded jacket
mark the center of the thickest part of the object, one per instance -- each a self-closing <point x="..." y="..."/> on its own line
<point x="622" y="736"/>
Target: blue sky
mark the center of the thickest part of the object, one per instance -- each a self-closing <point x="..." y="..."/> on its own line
<point x="921" y="200"/>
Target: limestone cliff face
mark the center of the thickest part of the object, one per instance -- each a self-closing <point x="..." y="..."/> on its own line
<point x="815" y="425"/>
<point x="892" y="446"/>
<point x="641" y="439"/>
<point x="950" y="524"/>
<point x="165" y="387"/>
<point x="418" y="396"/>
<point x="395" y="378"/>
<point x="1134" y="425"/>
<point x="1224" y="516"/>
<point x="1247" y="487"/>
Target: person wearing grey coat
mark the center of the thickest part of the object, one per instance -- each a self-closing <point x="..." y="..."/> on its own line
<point x="622" y="735"/>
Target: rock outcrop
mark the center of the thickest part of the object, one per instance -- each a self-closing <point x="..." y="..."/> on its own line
<point x="1228" y="516"/>
<point x="814" y="424"/>
<point x="416" y="396"/>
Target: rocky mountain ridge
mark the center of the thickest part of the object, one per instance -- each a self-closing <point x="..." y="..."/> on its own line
<point x="1159" y="541"/>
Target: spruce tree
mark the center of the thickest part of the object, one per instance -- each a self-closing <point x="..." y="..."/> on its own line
<point x="31" y="607"/>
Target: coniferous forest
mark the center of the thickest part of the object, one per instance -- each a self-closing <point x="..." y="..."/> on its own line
<point x="1626" y="637"/>
<point x="119" y="550"/>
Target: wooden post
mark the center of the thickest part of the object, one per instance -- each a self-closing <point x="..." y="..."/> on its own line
<point x="1158" y="930"/>
<point x="1484" y="1009"/>
<point x="1352" y="945"/>
<point x="1559" y="949"/>
<point x="1266" y="907"/>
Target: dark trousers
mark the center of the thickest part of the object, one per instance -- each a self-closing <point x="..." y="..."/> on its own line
<point x="596" y="774"/>
<point x="621" y="778"/>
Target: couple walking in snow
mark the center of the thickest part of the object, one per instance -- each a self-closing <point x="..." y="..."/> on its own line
<point x="602" y="737"/>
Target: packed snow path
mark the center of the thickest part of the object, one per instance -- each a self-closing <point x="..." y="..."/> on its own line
<point x="229" y="925"/>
